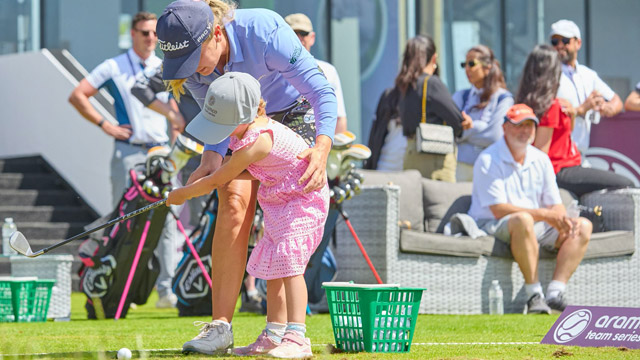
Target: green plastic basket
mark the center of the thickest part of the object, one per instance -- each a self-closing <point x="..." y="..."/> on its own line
<point x="373" y="318"/>
<point x="24" y="299"/>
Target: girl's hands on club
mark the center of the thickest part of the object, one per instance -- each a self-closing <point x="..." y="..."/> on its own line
<point x="176" y="197"/>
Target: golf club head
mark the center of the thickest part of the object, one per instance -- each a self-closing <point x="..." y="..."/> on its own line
<point x="347" y="168"/>
<point x="348" y="190"/>
<point x="357" y="151"/>
<point x="355" y="185"/>
<point x="343" y="139"/>
<point x="338" y="194"/>
<point x="357" y="175"/>
<point x="20" y="244"/>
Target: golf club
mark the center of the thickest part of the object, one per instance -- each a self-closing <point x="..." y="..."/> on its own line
<point x="345" y="216"/>
<point x="357" y="151"/>
<point x="20" y="244"/>
<point x="343" y="139"/>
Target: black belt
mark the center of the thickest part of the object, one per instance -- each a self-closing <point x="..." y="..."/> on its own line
<point x="148" y="145"/>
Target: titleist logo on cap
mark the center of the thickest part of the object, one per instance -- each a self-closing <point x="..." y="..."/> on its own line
<point x="167" y="46"/>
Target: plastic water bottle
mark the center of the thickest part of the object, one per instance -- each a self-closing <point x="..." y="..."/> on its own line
<point x="496" y="306"/>
<point x="8" y="228"/>
<point x="573" y="210"/>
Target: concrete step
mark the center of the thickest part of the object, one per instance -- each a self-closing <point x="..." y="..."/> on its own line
<point x="58" y="230"/>
<point x="46" y="214"/>
<point x="31" y="181"/>
<point x="37" y="197"/>
<point x="24" y="165"/>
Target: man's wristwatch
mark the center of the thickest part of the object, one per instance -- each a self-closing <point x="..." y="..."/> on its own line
<point x="101" y="122"/>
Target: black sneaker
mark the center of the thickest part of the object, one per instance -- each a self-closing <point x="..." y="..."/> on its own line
<point x="557" y="303"/>
<point x="537" y="305"/>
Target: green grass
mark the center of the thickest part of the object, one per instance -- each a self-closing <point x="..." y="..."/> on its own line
<point x="149" y="328"/>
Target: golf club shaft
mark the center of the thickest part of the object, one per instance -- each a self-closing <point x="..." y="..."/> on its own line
<point x="362" y="250"/>
<point x="114" y="221"/>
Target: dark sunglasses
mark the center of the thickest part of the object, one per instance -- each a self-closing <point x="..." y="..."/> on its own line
<point x="302" y="33"/>
<point x="470" y="63"/>
<point x="556" y="41"/>
<point x="146" y="33"/>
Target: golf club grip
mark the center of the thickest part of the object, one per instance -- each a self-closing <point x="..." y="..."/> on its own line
<point x="107" y="224"/>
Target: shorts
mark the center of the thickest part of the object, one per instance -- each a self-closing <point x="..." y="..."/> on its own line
<point x="545" y="233"/>
<point x="299" y="118"/>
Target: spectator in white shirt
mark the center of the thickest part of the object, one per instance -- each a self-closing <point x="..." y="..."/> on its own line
<point x="516" y="199"/>
<point x="633" y="100"/>
<point x="580" y="85"/>
<point x="301" y="25"/>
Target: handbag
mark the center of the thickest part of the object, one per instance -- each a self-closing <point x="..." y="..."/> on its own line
<point x="433" y="138"/>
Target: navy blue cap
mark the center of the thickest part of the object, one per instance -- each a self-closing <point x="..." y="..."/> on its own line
<point x="183" y="26"/>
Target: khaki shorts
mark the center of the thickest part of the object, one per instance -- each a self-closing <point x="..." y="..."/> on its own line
<point x="431" y="166"/>
<point x="545" y="233"/>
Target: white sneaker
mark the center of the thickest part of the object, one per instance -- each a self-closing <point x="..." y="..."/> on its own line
<point x="215" y="338"/>
<point x="166" y="302"/>
<point x="292" y="347"/>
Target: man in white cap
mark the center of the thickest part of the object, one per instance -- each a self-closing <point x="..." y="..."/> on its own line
<point x="301" y="25"/>
<point x="584" y="89"/>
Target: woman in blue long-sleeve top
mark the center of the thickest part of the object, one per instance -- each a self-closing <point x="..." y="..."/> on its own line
<point x="202" y="40"/>
<point x="484" y="106"/>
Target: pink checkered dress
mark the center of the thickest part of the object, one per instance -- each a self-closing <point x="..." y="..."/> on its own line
<point x="293" y="221"/>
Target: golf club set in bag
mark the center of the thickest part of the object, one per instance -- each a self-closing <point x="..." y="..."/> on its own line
<point x="114" y="248"/>
<point x="119" y="267"/>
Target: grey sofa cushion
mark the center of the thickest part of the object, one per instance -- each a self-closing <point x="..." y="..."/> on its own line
<point x="429" y="243"/>
<point x="605" y="244"/>
<point x="441" y="200"/>
<point x="410" y="193"/>
<point x="610" y="243"/>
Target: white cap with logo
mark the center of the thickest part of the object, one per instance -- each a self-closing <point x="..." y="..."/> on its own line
<point x="232" y="99"/>
<point x="565" y="28"/>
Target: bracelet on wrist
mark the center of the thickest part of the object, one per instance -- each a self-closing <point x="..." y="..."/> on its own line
<point x="101" y="122"/>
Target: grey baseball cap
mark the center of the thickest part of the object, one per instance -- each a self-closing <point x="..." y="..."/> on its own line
<point x="232" y="99"/>
<point x="182" y="28"/>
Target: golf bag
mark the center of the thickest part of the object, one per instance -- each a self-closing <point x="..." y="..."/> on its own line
<point x="189" y="283"/>
<point x="120" y="257"/>
<point x="107" y="256"/>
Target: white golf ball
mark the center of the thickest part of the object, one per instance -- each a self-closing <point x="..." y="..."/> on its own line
<point x="124" y="354"/>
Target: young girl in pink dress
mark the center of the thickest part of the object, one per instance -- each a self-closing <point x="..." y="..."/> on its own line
<point x="293" y="220"/>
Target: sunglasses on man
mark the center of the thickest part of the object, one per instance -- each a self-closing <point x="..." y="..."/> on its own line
<point x="470" y="63"/>
<point x="302" y="33"/>
<point x="556" y="41"/>
<point x="146" y="33"/>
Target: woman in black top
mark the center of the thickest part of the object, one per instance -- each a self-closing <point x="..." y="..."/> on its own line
<point x="419" y="63"/>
